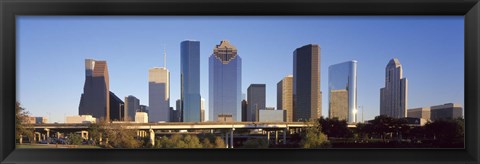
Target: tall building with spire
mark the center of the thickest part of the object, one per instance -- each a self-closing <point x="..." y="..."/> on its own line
<point x="95" y="99"/>
<point x="190" y="80"/>
<point x="307" y="98"/>
<point x="393" y="97"/>
<point x="225" y="81"/>
<point x="159" y="93"/>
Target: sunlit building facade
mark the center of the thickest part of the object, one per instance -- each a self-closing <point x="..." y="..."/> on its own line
<point x="159" y="94"/>
<point x="225" y="81"/>
<point x="95" y="99"/>
<point x="285" y="96"/>
<point x="393" y="97"/>
<point x="342" y="90"/>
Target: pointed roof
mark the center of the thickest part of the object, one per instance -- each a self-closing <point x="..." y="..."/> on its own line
<point x="394" y="62"/>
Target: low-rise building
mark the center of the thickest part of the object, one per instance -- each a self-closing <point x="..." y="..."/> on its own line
<point x="81" y="119"/>
<point x="423" y="113"/>
<point x="141" y="117"/>
<point x="37" y="120"/>
<point x="269" y="115"/>
<point x="446" y="111"/>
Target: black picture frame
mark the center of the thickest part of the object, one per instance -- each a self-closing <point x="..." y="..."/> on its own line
<point x="11" y="8"/>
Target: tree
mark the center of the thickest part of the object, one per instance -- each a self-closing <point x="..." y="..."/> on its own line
<point x="255" y="143"/>
<point x="219" y="143"/>
<point x="446" y="132"/>
<point x="120" y="137"/>
<point x="333" y="127"/>
<point x="314" y="138"/>
<point x="22" y="126"/>
<point x="207" y="144"/>
<point x="74" y="139"/>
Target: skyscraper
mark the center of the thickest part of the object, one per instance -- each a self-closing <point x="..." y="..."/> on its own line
<point x="202" y="110"/>
<point x="285" y="96"/>
<point x="159" y="93"/>
<point x="132" y="105"/>
<point x="307" y="98"/>
<point x="393" y="97"/>
<point x="190" y="80"/>
<point x="117" y="107"/>
<point x="342" y="90"/>
<point x="256" y="100"/>
<point x="95" y="99"/>
<point x="179" y="117"/>
<point x="225" y="81"/>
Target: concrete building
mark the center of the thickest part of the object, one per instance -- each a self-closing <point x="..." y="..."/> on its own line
<point x="202" y="110"/>
<point x="159" y="93"/>
<point x="190" y="80"/>
<point x="225" y="118"/>
<point x="285" y="96"/>
<point x="307" y="98"/>
<point x="141" y="117"/>
<point x="225" y="81"/>
<point x="37" y="120"/>
<point x="338" y="104"/>
<point x="423" y="113"/>
<point x="269" y="115"/>
<point x="82" y="119"/>
<point x="342" y="90"/>
<point x="446" y="111"/>
<point x="95" y="99"/>
<point x="179" y="115"/>
<point x="144" y="108"/>
<point x="132" y="105"/>
<point x="394" y="96"/>
<point x="244" y="110"/>
<point x="117" y="108"/>
<point x="256" y="100"/>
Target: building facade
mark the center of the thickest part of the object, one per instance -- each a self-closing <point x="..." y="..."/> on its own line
<point x="285" y="96"/>
<point x="82" y="119"/>
<point x="307" y="98"/>
<point x="132" y="105"/>
<point x="423" y="113"/>
<point x="159" y="94"/>
<point x="342" y="90"/>
<point x="179" y="115"/>
<point x="95" y="99"/>
<point x="225" y="81"/>
<point x="256" y="98"/>
<point x="117" y="108"/>
<point x="141" y="117"/>
<point x="446" y="111"/>
<point x="190" y="80"/>
<point x="268" y="115"/>
<point x="244" y="110"/>
<point x="394" y="96"/>
<point x="202" y="110"/>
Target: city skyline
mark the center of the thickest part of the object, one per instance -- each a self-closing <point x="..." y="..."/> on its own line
<point x="368" y="84"/>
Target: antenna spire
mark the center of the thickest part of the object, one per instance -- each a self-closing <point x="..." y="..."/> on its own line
<point x="164" y="57"/>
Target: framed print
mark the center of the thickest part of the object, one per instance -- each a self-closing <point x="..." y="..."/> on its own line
<point x="239" y="81"/>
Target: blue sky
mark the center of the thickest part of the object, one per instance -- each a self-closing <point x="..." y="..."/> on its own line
<point x="52" y="50"/>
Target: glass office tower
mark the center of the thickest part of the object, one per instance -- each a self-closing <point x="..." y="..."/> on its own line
<point x="95" y="99"/>
<point x="225" y="81"/>
<point x="342" y="91"/>
<point x="256" y="100"/>
<point x="307" y="98"/>
<point x="190" y="80"/>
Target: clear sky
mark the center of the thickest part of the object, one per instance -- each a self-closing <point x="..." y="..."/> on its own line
<point x="52" y="52"/>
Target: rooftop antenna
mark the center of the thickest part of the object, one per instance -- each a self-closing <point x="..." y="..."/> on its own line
<point x="164" y="57"/>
